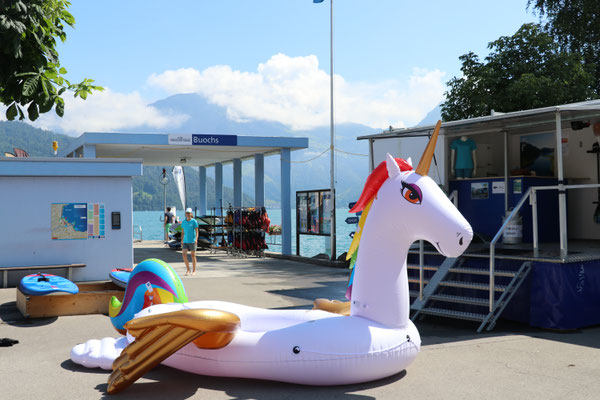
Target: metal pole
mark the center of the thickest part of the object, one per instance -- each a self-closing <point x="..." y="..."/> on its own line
<point x="534" y="221"/>
<point x="371" y="161"/>
<point x="166" y="235"/>
<point x="505" y="171"/>
<point x="421" y="263"/>
<point x="332" y="145"/>
<point x="492" y="272"/>
<point x="562" y="204"/>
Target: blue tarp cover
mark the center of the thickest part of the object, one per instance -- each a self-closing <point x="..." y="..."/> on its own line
<point x="565" y="296"/>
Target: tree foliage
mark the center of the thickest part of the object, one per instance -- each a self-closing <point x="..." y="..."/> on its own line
<point x="576" y="26"/>
<point x="31" y="77"/>
<point x="524" y="71"/>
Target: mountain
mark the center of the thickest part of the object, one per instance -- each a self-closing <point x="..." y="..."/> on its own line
<point x="432" y="116"/>
<point x="148" y="192"/>
<point x="308" y="170"/>
<point x="307" y="173"/>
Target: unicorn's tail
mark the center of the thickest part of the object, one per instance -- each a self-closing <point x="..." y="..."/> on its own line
<point x="152" y="282"/>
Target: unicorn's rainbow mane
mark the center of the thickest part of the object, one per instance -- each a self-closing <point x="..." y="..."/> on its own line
<point x="374" y="182"/>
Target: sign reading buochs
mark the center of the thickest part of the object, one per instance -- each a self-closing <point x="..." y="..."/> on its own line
<point x="203" y="140"/>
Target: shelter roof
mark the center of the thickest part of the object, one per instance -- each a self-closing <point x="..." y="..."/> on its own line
<point x="167" y="149"/>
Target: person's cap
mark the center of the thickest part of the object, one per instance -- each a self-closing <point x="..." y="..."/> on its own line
<point x="189" y="210"/>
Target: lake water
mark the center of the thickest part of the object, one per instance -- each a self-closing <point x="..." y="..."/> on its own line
<point x="309" y="245"/>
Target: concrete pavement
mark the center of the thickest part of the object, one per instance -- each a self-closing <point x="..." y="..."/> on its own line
<point x="513" y="361"/>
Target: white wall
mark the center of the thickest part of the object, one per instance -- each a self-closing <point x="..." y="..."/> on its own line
<point x="579" y="168"/>
<point x="25" y="214"/>
<point x="412" y="147"/>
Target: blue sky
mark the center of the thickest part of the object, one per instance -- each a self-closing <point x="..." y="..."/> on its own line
<point x="393" y="57"/>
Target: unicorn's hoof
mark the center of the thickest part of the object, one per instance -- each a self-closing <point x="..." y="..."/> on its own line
<point x="98" y="353"/>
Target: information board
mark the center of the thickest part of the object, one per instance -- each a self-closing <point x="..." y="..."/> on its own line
<point x="95" y="221"/>
<point x="301" y="205"/>
<point x="69" y="221"/>
<point x="327" y="209"/>
<point x="314" y="211"/>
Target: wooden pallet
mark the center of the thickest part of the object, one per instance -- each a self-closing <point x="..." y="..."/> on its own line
<point x="93" y="298"/>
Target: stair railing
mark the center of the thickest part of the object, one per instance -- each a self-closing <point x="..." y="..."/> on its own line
<point x="453" y="197"/>
<point x="493" y="245"/>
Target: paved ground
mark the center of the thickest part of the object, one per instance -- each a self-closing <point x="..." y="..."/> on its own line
<point x="512" y="362"/>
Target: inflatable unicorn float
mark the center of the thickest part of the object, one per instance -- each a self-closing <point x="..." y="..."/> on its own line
<point x="314" y="347"/>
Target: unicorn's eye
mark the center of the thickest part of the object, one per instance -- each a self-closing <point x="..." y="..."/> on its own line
<point x="412" y="193"/>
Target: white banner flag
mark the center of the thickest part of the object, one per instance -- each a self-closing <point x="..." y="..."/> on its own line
<point x="179" y="178"/>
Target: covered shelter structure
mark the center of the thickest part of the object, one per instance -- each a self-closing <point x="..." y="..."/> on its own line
<point x="202" y="151"/>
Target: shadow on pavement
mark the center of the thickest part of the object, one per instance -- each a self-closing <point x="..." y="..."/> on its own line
<point x="435" y="330"/>
<point x="335" y="290"/>
<point x="176" y="384"/>
<point x="267" y="266"/>
<point x="71" y="366"/>
<point x="10" y="315"/>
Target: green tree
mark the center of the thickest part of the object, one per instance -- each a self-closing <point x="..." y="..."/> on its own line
<point x="575" y="24"/>
<point x="31" y="76"/>
<point x="524" y="71"/>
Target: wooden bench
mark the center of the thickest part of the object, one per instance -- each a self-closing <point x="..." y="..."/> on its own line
<point x="69" y="268"/>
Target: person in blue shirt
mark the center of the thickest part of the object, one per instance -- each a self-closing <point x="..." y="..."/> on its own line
<point x="463" y="159"/>
<point x="189" y="239"/>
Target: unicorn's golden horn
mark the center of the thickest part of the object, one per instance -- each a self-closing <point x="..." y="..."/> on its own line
<point x="425" y="161"/>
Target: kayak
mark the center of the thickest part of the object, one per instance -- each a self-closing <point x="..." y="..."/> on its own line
<point x="120" y="276"/>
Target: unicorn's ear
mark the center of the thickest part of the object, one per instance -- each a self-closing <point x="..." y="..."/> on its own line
<point x="392" y="166"/>
<point x="409" y="161"/>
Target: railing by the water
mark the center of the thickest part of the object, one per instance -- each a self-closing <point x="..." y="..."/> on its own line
<point x="137" y="231"/>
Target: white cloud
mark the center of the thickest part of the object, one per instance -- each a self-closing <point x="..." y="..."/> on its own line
<point x="295" y="92"/>
<point x="107" y="111"/>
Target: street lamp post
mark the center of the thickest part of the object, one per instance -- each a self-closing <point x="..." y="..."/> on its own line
<point x="164" y="180"/>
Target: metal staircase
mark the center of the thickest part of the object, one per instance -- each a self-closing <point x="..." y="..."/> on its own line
<point x="459" y="290"/>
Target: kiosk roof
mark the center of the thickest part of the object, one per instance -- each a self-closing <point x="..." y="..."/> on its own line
<point x="516" y="122"/>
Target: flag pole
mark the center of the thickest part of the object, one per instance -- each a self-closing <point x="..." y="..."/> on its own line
<point x="332" y="145"/>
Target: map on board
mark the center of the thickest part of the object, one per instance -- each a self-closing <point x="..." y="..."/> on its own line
<point x="68" y="221"/>
<point x="95" y="221"/>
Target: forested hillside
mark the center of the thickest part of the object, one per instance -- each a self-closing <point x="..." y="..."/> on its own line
<point x="147" y="190"/>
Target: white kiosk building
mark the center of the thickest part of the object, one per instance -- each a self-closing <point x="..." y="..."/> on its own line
<point x="95" y="174"/>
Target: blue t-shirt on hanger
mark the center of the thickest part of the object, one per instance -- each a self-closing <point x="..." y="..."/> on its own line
<point x="464" y="159"/>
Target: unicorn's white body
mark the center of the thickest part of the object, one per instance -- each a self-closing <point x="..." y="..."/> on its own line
<point x="310" y="347"/>
<point x="317" y="347"/>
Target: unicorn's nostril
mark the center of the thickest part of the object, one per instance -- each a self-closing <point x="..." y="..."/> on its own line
<point x="460" y="241"/>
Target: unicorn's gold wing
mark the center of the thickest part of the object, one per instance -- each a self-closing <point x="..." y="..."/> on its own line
<point x="358" y="234"/>
<point x="159" y="336"/>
